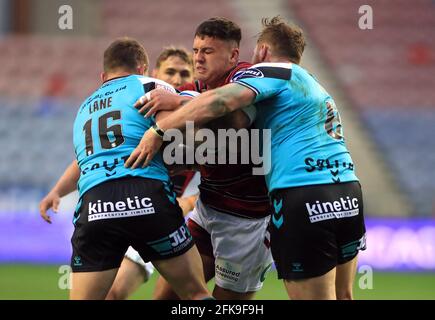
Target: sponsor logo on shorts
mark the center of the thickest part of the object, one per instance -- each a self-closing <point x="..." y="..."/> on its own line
<point x="297" y="267"/>
<point x="351" y="249"/>
<point x="180" y="236"/>
<point x="342" y="208"/>
<point x="175" y="242"/>
<point x="227" y="271"/>
<point x="120" y="209"/>
<point x="77" y="261"/>
<point x="264" y="272"/>
<point x="277" y="217"/>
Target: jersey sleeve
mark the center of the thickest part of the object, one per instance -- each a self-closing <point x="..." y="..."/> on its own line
<point x="149" y="84"/>
<point x="241" y="66"/>
<point x="189" y="93"/>
<point x="152" y="83"/>
<point x="265" y="80"/>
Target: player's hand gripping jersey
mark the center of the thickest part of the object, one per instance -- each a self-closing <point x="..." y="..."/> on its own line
<point x="102" y="144"/>
<point x="307" y="144"/>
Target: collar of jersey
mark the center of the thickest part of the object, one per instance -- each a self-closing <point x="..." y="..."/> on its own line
<point x="116" y="78"/>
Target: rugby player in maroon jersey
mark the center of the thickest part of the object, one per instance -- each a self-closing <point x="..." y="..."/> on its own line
<point x="229" y="223"/>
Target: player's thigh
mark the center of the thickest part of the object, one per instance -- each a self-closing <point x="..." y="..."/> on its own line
<point x="351" y="238"/>
<point x="185" y="274"/>
<point x="129" y="278"/>
<point x="207" y="266"/>
<point x="168" y="243"/>
<point x="203" y="243"/>
<point x="240" y="248"/>
<point x="91" y="285"/>
<point x="134" y="256"/>
<point x="233" y="243"/>
<point x="345" y="278"/>
<point x="163" y="290"/>
<point x="317" y="288"/>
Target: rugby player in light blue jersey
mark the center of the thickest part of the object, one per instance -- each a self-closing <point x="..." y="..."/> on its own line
<point x="174" y="66"/>
<point x="317" y="227"/>
<point x="120" y="207"/>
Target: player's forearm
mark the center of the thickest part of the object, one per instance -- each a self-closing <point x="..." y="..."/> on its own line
<point x="202" y="109"/>
<point x="67" y="183"/>
<point x="175" y="105"/>
<point x="210" y="105"/>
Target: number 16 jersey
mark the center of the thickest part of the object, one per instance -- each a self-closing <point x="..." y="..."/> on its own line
<point x="108" y="128"/>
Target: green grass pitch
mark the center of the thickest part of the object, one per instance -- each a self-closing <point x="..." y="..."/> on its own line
<point x="41" y="282"/>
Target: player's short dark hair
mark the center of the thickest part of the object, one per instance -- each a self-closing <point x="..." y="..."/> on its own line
<point x="181" y="53"/>
<point x="286" y="40"/>
<point x="220" y="28"/>
<point x="125" y="54"/>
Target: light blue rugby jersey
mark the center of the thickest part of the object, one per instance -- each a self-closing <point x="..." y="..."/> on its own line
<point x="108" y="128"/>
<point x="307" y="144"/>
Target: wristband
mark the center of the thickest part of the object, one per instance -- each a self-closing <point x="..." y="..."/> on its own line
<point x="155" y="128"/>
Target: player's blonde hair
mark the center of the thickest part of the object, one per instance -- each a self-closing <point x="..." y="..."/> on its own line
<point x="286" y="40"/>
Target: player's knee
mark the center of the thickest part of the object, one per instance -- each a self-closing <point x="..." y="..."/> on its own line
<point x="296" y="295"/>
<point x="225" y="294"/>
<point x="116" y="293"/>
<point x="194" y="291"/>
<point x="344" y="294"/>
<point x="164" y="294"/>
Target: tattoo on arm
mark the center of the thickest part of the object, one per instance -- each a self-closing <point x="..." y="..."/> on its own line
<point x="219" y="106"/>
<point x="228" y="99"/>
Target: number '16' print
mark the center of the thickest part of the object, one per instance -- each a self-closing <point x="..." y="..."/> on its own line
<point x="106" y="142"/>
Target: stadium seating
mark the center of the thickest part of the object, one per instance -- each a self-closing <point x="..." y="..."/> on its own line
<point x="36" y="142"/>
<point x="78" y="59"/>
<point x="376" y="64"/>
